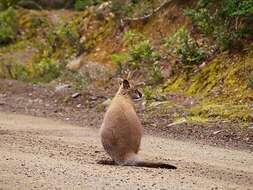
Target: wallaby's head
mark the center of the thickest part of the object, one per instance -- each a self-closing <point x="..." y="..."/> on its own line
<point x="128" y="89"/>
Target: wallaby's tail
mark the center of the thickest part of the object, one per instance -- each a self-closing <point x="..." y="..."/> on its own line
<point x="141" y="164"/>
<point x="106" y="162"/>
<point x="155" y="165"/>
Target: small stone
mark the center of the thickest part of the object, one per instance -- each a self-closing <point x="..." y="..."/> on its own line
<point x="75" y="64"/>
<point x="93" y="98"/>
<point x="217" y="132"/>
<point x="83" y="39"/>
<point x="75" y="95"/>
<point x="202" y="65"/>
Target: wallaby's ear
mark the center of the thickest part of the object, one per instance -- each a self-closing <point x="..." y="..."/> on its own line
<point x="126" y="84"/>
<point x="131" y="74"/>
<point x="140" y="84"/>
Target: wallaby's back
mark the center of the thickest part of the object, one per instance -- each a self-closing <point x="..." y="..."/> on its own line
<point x="121" y="130"/>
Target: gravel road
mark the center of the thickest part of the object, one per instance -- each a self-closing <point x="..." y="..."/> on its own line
<point x="39" y="153"/>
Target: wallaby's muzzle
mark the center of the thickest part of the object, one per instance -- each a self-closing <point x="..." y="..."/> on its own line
<point x="136" y="95"/>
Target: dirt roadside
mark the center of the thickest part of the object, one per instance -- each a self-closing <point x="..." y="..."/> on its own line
<point x="39" y="153"/>
<point x="86" y="108"/>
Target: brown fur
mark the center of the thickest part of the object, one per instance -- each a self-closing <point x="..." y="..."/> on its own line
<point x="121" y="130"/>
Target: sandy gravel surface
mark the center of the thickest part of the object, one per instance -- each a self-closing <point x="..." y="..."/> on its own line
<point x="39" y="153"/>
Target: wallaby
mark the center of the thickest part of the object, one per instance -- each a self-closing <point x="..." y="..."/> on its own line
<point x="121" y="130"/>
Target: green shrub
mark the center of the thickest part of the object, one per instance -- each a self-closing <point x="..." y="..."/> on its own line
<point x="45" y="71"/>
<point x="79" y="81"/>
<point x="202" y="19"/>
<point x="117" y="8"/>
<point x="140" y="55"/>
<point x="143" y="56"/>
<point x="132" y="37"/>
<point x="250" y="80"/>
<point x="8" y="28"/>
<point x="228" y="22"/>
<point x="133" y="8"/>
<point x="141" y="52"/>
<point x="81" y="5"/>
<point x="139" y="49"/>
<point x="155" y="74"/>
<point x="185" y="47"/>
<point x="120" y="59"/>
<point x="62" y="41"/>
<point x="148" y="94"/>
<point x="70" y="34"/>
<point x="13" y="71"/>
<point x="32" y="24"/>
<point x="19" y="72"/>
<point x="5" y="4"/>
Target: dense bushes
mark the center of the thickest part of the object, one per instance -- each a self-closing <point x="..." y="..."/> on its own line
<point x="250" y="80"/>
<point x="134" y="8"/>
<point x="8" y="28"/>
<point x="5" y="4"/>
<point x="43" y="71"/>
<point x="226" y="21"/>
<point x="140" y="55"/>
<point x="62" y="35"/>
<point x="140" y="50"/>
<point x="185" y="47"/>
<point x="46" y="70"/>
<point x="47" y="46"/>
<point x="77" y="4"/>
<point x="83" y="4"/>
<point x="61" y="42"/>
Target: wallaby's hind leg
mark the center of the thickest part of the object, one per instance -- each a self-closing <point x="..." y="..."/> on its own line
<point x="111" y="146"/>
<point x="131" y="159"/>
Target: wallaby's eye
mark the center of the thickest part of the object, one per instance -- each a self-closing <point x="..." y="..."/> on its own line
<point x="140" y="94"/>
